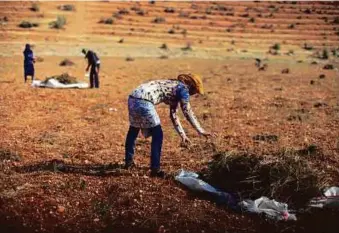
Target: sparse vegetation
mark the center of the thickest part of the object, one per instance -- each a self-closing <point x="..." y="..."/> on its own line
<point x="163" y="57"/>
<point x="171" y="31"/>
<point x="188" y="47"/>
<point x="328" y="67"/>
<point x="129" y="58"/>
<point x="159" y="20"/>
<point x="276" y="46"/>
<point x="164" y="46"/>
<point x="291" y="26"/>
<point x="123" y="11"/>
<point x="141" y="12"/>
<point x="67" y="7"/>
<point x="308" y="46"/>
<point x="325" y="54"/>
<point x="184" y="14"/>
<point x="169" y="10"/>
<point x="64" y="78"/>
<point x="107" y="20"/>
<point x="27" y="24"/>
<point x="59" y="23"/>
<point x="66" y="62"/>
<point x="35" y="7"/>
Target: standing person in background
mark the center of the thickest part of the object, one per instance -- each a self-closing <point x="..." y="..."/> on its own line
<point x="28" y="62"/>
<point x="143" y="116"/>
<point x="94" y="64"/>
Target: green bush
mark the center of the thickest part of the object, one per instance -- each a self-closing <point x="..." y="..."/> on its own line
<point x="325" y="54"/>
<point x="35" y="7"/>
<point x="67" y="7"/>
<point x="276" y="46"/>
<point x="107" y="21"/>
<point x="159" y="20"/>
<point x="59" y="23"/>
<point x="27" y="24"/>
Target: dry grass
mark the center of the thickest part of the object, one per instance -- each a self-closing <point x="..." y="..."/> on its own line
<point x="64" y="78"/>
<point x="286" y="175"/>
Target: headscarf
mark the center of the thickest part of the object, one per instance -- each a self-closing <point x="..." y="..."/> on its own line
<point x="84" y="51"/>
<point x="193" y="80"/>
<point x="27" y="48"/>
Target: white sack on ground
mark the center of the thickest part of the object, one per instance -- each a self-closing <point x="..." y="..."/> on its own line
<point x="329" y="200"/>
<point x="273" y="209"/>
<point x="53" y="83"/>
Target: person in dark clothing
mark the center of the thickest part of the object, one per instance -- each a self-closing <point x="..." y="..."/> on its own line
<point x="94" y="64"/>
<point x="28" y="62"/>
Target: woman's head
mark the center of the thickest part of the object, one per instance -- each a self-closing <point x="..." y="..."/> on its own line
<point x="27" y="46"/>
<point x="194" y="83"/>
<point x="84" y="51"/>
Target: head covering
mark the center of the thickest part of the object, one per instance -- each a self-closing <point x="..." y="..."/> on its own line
<point x="27" y="49"/>
<point x="84" y="51"/>
<point x="193" y="80"/>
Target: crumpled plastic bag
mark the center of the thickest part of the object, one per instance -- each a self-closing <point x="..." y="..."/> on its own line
<point x="53" y="83"/>
<point x="329" y="200"/>
<point x="272" y="209"/>
<point x="190" y="180"/>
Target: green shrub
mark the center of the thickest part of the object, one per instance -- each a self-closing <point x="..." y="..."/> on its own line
<point x="107" y="21"/>
<point x="308" y="47"/>
<point x="59" y="23"/>
<point x="276" y="46"/>
<point x="169" y="10"/>
<point x="67" y="7"/>
<point x="325" y="54"/>
<point x="35" y="7"/>
<point x="27" y="24"/>
<point x="159" y="20"/>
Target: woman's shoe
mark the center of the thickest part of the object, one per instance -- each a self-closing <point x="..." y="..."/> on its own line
<point x="129" y="165"/>
<point x="157" y="173"/>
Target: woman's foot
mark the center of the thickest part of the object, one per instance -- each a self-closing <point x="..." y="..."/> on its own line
<point x="157" y="173"/>
<point x="129" y="165"/>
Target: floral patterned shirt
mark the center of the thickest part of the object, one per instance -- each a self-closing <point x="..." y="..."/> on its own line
<point x="172" y="93"/>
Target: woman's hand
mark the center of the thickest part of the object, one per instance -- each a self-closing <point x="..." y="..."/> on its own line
<point x="185" y="142"/>
<point x="207" y="135"/>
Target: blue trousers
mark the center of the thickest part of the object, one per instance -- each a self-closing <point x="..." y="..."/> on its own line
<point x="157" y="138"/>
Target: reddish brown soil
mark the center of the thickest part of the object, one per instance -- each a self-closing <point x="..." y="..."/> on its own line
<point x="86" y="128"/>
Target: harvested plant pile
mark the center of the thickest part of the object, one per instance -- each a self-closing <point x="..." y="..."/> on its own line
<point x="64" y="78"/>
<point x="285" y="176"/>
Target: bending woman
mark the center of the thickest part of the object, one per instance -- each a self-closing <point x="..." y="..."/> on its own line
<point x="143" y="116"/>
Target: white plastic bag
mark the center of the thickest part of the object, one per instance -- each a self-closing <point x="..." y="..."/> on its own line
<point x="190" y="179"/>
<point x="53" y="83"/>
<point x="329" y="200"/>
<point x="272" y="209"/>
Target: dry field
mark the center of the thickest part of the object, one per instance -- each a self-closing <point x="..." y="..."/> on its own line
<point x="61" y="151"/>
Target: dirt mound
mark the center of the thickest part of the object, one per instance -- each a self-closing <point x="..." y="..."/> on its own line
<point x="64" y="78"/>
<point x="285" y="176"/>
